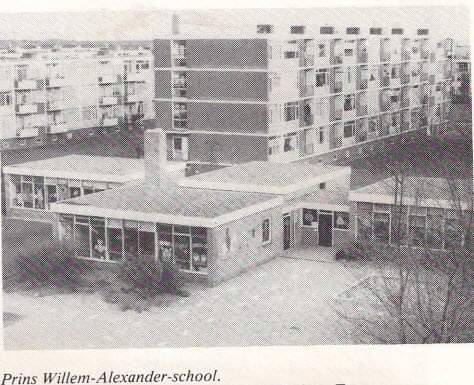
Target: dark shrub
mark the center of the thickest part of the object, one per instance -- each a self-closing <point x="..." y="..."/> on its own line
<point x="141" y="280"/>
<point x="51" y="265"/>
<point x="354" y="251"/>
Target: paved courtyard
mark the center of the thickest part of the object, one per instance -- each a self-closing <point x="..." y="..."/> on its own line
<point x="283" y="302"/>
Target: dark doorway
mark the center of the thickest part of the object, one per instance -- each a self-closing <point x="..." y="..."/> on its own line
<point x="286" y="232"/>
<point x="325" y="229"/>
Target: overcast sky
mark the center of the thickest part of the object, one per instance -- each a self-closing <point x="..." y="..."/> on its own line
<point x="111" y="25"/>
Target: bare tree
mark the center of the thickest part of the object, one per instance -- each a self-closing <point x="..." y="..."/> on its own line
<point x="418" y="292"/>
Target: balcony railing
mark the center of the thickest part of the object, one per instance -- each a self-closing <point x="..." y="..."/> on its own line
<point x="26" y="84"/>
<point x="362" y="110"/>
<point x="55" y="105"/>
<point x="108" y="79"/>
<point x="27" y="109"/>
<point x="28" y="132"/>
<point x="57" y="128"/>
<point x="108" y="100"/>
<point x="109" y="122"/>
<point x="56" y="82"/>
<point x="361" y="137"/>
<point x="405" y="126"/>
<point x="307" y="90"/>
<point x="336" y="115"/>
<point x="405" y="78"/>
<point x="134" y="77"/>
<point x="384" y="56"/>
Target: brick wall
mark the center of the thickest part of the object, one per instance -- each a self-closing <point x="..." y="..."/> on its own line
<point x="227" y="117"/>
<point x="162" y="53"/>
<point x="227" y="53"/>
<point x="227" y="149"/>
<point x="163" y="115"/>
<point x="246" y="248"/>
<point x="224" y="85"/>
<point x="163" y="84"/>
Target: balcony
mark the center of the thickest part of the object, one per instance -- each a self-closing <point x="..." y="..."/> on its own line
<point x="405" y="78"/>
<point x="109" y="122"/>
<point x="56" y="82"/>
<point x="336" y="115"/>
<point x="308" y="149"/>
<point x="24" y="109"/>
<point x="307" y="120"/>
<point x="336" y="59"/>
<point x="133" y="98"/>
<point x="134" y="77"/>
<point x="371" y="135"/>
<point x="108" y="79"/>
<point x="336" y="87"/>
<point x="362" y="57"/>
<point x="56" y="105"/>
<point x="58" y="128"/>
<point x="28" y="132"/>
<point x="363" y="84"/>
<point x="108" y="101"/>
<point x="307" y="61"/>
<point x="405" y="126"/>
<point x="307" y="90"/>
<point x="384" y="56"/>
<point x="361" y="110"/>
<point x="385" y="81"/>
<point x="180" y="62"/>
<point x="348" y="141"/>
<point x="26" y="85"/>
<point x="5" y="85"/>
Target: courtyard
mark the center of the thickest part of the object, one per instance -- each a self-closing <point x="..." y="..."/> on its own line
<point x="287" y="301"/>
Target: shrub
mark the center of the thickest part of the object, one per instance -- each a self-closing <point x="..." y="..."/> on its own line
<point x="354" y="251"/>
<point x="51" y="265"/>
<point x="141" y="280"/>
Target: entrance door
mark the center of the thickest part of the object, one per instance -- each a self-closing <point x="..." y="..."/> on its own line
<point x="325" y="229"/>
<point x="286" y="232"/>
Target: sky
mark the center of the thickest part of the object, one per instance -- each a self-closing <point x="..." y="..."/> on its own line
<point x="443" y="21"/>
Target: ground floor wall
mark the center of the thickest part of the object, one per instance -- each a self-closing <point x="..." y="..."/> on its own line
<point x="240" y="245"/>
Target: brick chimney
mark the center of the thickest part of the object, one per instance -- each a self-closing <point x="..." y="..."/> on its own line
<point x="156" y="156"/>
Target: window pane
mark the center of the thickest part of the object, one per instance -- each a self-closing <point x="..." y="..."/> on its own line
<point x="417" y="226"/>
<point x="27" y="195"/>
<point x="63" y="192"/>
<point x="266" y="231"/>
<point x="74" y="192"/>
<point x="452" y="234"/>
<point x="17" y="197"/>
<point x="399" y="225"/>
<point x="130" y="243"/>
<point x="39" y="196"/>
<point x="381" y="227"/>
<point x="115" y="242"/>
<point x="199" y="252"/>
<point x="364" y="224"/>
<point x="182" y="251"/>
<point x="341" y="220"/>
<point x="99" y="250"/>
<point x="82" y="240"/>
<point x="66" y="229"/>
<point x="52" y="193"/>
<point x="146" y="243"/>
<point x="434" y="228"/>
<point x="310" y="217"/>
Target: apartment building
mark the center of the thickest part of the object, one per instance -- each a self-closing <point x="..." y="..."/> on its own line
<point x="301" y="93"/>
<point x="462" y="73"/>
<point x="47" y="93"/>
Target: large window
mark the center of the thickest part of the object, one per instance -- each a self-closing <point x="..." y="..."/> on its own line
<point x="417" y="226"/>
<point x="349" y="102"/>
<point x="115" y="239"/>
<point x="399" y="225"/>
<point x="349" y="129"/>
<point x="99" y="248"/>
<point x="434" y="228"/>
<point x="146" y="240"/>
<point x="289" y="142"/>
<point x="341" y="220"/>
<point x="364" y="221"/>
<point x="310" y="217"/>
<point x="322" y="78"/>
<point x="266" y="231"/>
<point x="381" y="227"/>
<point x="82" y="237"/>
<point x="130" y="239"/>
<point x="290" y="111"/>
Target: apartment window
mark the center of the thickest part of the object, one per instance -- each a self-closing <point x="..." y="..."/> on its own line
<point x="397" y="31"/>
<point x="364" y="221"/>
<point x="349" y="102"/>
<point x="273" y="146"/>
<point x="82" y="241"/>
<point x="321" y="50"/>
<point x="322" y="186"/>
<point x="297" y="29"/>
<point x="266" y="231"/>
<point x="434" y="228"/>
<point x="375" y="31"/>
<point x="423" y="31"/>
<point x="5" y="99"/>
<point x="290" y="111"/>
<point x="322" y="78"/>
<point x="322" y="135"/>
<point x="395" y="73"/>
<point x="349" y="129"/>
<point x="417" y="226"/>
<point x="399" y="225"/>
<point x="264" y="28"/>
<point x="326" y="30"/>
<point x="180" y="115"/>
<point x="289" y="143"/>
<point x="348" y="52"/>
<point x="352" y="30"/>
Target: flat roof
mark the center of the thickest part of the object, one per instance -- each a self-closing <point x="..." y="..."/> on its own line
<point x="169" y="204"/>
<point x="265" y="177"/>
<point x="421" y="191"/>
<point x="84" y="167"/>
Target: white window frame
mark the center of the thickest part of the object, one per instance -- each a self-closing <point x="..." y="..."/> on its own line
<point x="269" y="240"/>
